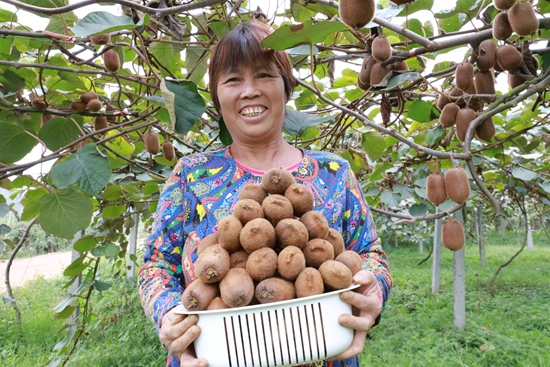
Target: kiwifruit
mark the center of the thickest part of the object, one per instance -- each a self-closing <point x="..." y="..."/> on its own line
<point x="523" y="19"/>
<point x="473" y="102"/>
<point x="168" y="151"/>
<point x="78" y="107"/>
<point x="253" y="191"/>
<point x="111" y="61"/>
<point x="381" y="48"/>
<point x="94" y="105"/>
<point x="277" y="207"/>
<point x="508" y="57"/>
<point x="229" y="232"/>
<point x="212" y="264"/>
<point x="400" y="65"/>
<point x="101" y="39"/>
<point x="152" y="142"/>
<point x="247" y="209"/>
<point x="351" y="259"/>
<point x="110" y="108"/>
<point x="452" y="235"/>
<point x="364" y="73"/>
<point x="238" y="259"/>
<point x="464" y="75"/>
<point x="291" y="232"/>
<point x="484" y="82"/>
<point x="501" y="27"/>
<point x="402" y="2"/>
<point x="262" y="264"/>
<point x="290" y="262"/>
<point x="100" y="122"/>
<point x="309" y="283"/>
<point x="88" y="96"/>
<point x="217" y="304"/>
<point x="275" y="290"/>
<point x="277" y="180"/>
<point x="300" y="197"/>
<point x="316" y="224"/>
<point x="435" y="189"/>
<point x="237" y="288"/>
<point x="44" y="118"/>
<point x="198" y="295"/>
<point x="317" y="251"/>
<point x="463" y="118"/>
<point x="356" y="13"/>
<point x="449" y="97"/>
<point x="378" y="72"/>
<point x="457" y="184"/>
<point x="448" y="115"/>
<point x="38" y="103"/>
<point x="337" y="241"/>
<point x="515" y="80"/>
<point x="486" y="54"/>
<point x="486" y="130"/>
<point x="256" y="234"/>
<point x="504" y="4"/>
<point x="361" y="85"/>
<point x="210" y="240"/>
<point x="336" y="275"/>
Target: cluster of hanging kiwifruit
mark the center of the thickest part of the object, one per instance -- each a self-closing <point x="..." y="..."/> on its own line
<point x="273" y="247"/>
<point x="153" y="146"/>
<point x="111" y="60"/>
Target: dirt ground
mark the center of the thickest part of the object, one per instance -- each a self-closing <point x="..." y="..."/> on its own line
<point x="49" y="266"/>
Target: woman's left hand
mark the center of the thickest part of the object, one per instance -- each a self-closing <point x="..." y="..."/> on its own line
<point x="366" y="307"/>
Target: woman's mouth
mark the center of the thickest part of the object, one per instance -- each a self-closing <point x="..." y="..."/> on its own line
<point x="252" y="111"/>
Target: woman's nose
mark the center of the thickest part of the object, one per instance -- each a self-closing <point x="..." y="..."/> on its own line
<point x="250" y="88"/>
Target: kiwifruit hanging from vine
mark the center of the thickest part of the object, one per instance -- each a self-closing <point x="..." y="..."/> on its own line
<point x="256" y="234"/>
<point x="515" y="80"/>
<point x="381" y="48"/>
<point x="316" y="224"/>
<point x="44" y="118"/>
<point x="253" y="191"/>
<point x="88" y="96"/>
<point x="486" y="54"/>
<point x="277" y="207"/>
<point x="400" y="65"/>
<point x="291" y="232"/>
<point x="38" y="103"/>
<point x="356" y="13"/>
<point x="277" y="180"/>
<point x="452" y="235"/>
<point x="457" y="184"/>
<point x="364" y="73"/>
<point x="484" y="82"/>
<point x="100" y="122"/>
<point x="508" y="57"/>
<point x="504" y="4"/>
<point x="378" y="72"/>
<point x="309" y="283"/>
<point x="212" y="264"/>
<point x="486" y="130"/>
<point x="198" y="295"/>
<point x="110" y="108"/>
<point x="152" y="142"/>
<point x="446" y="97"/>
<point x="78" y="107"/>
<point x="502" y="30"/>
<point x="464" y="75"/>
<point x="111" y="61"/>
<point x="523" y="19"/>
<point x="448" y="115"/>
<point x="436" y="193"/>
<point x="300" y="197"/>
<point x="336" y="275"/>
<point x="237" y="288"/>
<point x="168" y="150"/>
<point x="247" y="209"/>
<point x="463" y="118"/>
<point x="262" y="264"/>
<point x="229" y="232"/>
<point x="95" y="105"/>
<point x="402" y="2"/>
<point x="101" y="39"/>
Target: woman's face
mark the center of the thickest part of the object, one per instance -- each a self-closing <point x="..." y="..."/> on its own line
<point x="252" y="102"/>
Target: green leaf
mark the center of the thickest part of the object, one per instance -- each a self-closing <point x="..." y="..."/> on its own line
<point x="107" y="250"/>
<point x="524" y="174"/>
<point x="4" y="229"/>
<point x="284" y="37"/>
<point x="11" y="80"/>
<point x="4" y="209"/>
<point x="59" y="132"/>
<point x="545" y="186"/>
<point x="85" y="243"/>
<point x="15" y="143"/>
<point x="112" y="192"/>
<point x="374" y="144"/>
<point x="6" y="16"/>
<point x="65" y="212"/>
<point x="400" y="78"/>
<point x="101" y="22"/>
<point x="418" y="210"/>
<point x="296" y="122"/>
<point x="113" y="211"/>
<point x="150" y="188"/>
<point x="72" y="79"/>
<point x="66" y="301"/>
<point x="390" y="199"/>
<point x="63" y="315"/>
<point x="86" y="168"/>
<point x="184" y="103"/>
<point x="420" y="111"/>
<point x="225" y="136"/>
<point x="59" y="22"/>
<point x="120" y="144"/>
<point x="195" y="62"/>
<point x="432" y="136"/>
<point x="101" y="286"/>
<point x="416" y="6"/>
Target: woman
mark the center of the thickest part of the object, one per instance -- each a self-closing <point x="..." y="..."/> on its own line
<point x="250" y="87"/>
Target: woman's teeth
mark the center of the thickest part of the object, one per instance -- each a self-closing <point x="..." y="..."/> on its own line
<point x="251" y="112"/>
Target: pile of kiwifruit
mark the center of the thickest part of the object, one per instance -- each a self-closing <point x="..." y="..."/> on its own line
<point x="273" y="247"/>
<point x="454" y="185"/>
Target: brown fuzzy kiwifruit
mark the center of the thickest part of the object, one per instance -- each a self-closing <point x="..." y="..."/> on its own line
<point x="504" y="4"/>
<point x="217" y="304"/>
<point x="473" y="102"/>
<point x="449" y="97"/>
<point x="300" y="197"/>
<point x="291" y="232"/>
<point x="351" y="259"/>
<point x="237" y="288"/>
<point x="378" y="72"/>
<point x="277" y="180"/>
<point x="309" y="283"/>
<point x="95" y="105"/>
<point x="361" y="85"/>
<point x="277" y="207"/>
<point x="100" y="122"/>
<point x="457" y="184"/>
<point x="523" y="19"/>
<point x="364" y="73"/>
<point x="317" y="251"/>
<point x="111" y="61"/>
<point x="400" y="65"/>
<point x="356" y="13"/>
<point x="88" y="96"/>
<point x="253" y="191"/>
<point x="262" y="264"/>
<point x="381" y="48"/>
<point x="508" y="57"/>
<point x="152" y="142"/>
<point x="316" y="224"/>
<point x="502" y="30"/>
<point x="463" y="118"/>
<point x="212" y="264"/>
<point x="210" y="240"/>
<point x="515" y="80"/>
<point x="256" y="234"/>
<point x="247" y="209"/>
<point x="486" y="55"/>
<point x="38" y="103"/>
<point x="198" y="295"/>
<point x="238" y="259"/>
<point x="168" y="151"/>
<point x="435" y="189"/>
<point x="229" y="232"/>
<point x="448" y="115"/>
<point x="101" y="39"/>
<point x="402" y="2"/>
<point x="486" y="130"/>
<point x="109" y="108"/>
<point x="336" y="275"/>
<point x="337" y="241"/>
<point x="290" y="262"/>
<point x="484" y="82"/>
<point x="78" y="107"/>
<point x="464" y="75"/>
<point x="44" y="118"/>
<point x="452" y="235"/>
<point x="274" y="290"/>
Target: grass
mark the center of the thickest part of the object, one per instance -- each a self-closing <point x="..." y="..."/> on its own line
<point x="508" y="322"/>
